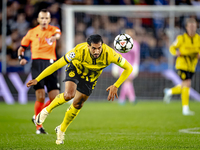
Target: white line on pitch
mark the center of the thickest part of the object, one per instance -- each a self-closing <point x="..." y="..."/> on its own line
<point x="191" y="130"/>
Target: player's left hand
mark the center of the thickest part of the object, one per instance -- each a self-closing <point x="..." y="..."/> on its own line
<point x="112" y="92"/>
<point x="31" y="82"/>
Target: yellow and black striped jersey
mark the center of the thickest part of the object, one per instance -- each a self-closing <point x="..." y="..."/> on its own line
<point x="189" y="47"/>
<point x="88" y="67"/>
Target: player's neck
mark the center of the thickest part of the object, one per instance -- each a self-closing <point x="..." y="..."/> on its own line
<point x="44" y="28"/>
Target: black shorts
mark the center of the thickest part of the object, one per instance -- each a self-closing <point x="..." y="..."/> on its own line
<point x="51" y="81"/>
<point x="184" y="75"/>
<point x="83" y="86"/>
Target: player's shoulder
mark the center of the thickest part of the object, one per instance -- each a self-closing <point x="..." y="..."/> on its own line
<point x="186" y="37"/>
<point x="181" y="37"/>
<point x="82" y="45"/>
<point x="112" y="54"/>
<point x="53" y="28"/>
<point x="33" y="29"/>
<point x="197" y="35"/>
<point x="107" y="48"/>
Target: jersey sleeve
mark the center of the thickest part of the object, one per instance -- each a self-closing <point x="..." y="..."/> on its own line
<point x="57" y="30"/>
<point x="123" y="63"/>
<point x="117" y="59"/>
<point x="26" y="40"/>
<point x="125" y="74"/>
<point x="51" y="69"/>
<point x="176" y="44"/>
<point x="74" y="54"/>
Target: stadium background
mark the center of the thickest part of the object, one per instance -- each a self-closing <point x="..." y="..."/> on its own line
<point x="155" y="32"/>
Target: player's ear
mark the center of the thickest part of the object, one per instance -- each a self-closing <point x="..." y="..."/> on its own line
<point x="49" y="20"/>
<point x="38" y="20"/>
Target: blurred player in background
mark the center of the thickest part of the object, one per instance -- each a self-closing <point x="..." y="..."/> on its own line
<point x="43" y="49"/>
<point x="85" y="64"/>
<point x="186" y="48"/>
<point x="133" y="57"/>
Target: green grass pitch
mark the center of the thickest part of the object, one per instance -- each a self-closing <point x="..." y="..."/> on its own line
<point x="148" y="125"/>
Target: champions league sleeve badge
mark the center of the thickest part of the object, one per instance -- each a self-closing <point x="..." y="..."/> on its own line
<point x="71" y="56"/>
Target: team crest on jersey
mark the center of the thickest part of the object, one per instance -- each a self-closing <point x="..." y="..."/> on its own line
<point x="183" y="76"/>
<point x="72" y="74"/>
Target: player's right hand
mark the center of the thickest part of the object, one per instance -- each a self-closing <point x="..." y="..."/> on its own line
<point x="23" y="62"/>
<point x="31" y="82"/>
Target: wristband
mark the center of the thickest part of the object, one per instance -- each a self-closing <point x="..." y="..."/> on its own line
<point x="20" y="57"/>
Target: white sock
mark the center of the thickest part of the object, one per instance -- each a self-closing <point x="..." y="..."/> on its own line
<point x="185" y="108"/>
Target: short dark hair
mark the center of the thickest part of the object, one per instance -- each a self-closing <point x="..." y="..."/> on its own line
<point x="96" y="38"/>
<point x="44" y="10"/>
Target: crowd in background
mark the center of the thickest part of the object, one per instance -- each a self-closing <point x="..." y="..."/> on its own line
<point x="152" y="33"/>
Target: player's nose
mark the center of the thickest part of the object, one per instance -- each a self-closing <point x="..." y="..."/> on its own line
<point x="97" y="51"/>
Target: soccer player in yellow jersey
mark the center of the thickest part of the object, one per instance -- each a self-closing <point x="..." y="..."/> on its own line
<point x="186" y="48"/>
<point x="85" y="64"/>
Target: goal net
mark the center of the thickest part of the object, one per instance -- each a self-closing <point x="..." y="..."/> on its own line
<point x="156" y="28"/>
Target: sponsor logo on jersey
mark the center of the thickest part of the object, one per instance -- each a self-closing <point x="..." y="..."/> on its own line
<point x="183" y="76"/>
<point x="191" y="48"/>
<point x="100" y="63"/>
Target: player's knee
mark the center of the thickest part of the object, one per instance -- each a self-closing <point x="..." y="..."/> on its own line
<point x="78" y="105"/>
<point x="40" y="95"/>
<point x="52" y="94"/>
<point x="41" y="99"/>
<point x="68" y="96"/>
